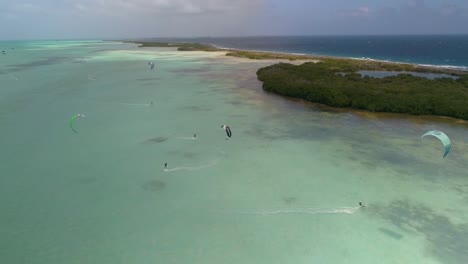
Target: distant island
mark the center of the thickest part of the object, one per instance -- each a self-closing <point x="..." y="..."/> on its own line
<point x="179" y="46"/>
<point x="360" y="84"/>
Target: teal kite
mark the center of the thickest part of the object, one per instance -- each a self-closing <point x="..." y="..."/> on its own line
<point x="72" y="120"/>
<point x="443" y="138"/>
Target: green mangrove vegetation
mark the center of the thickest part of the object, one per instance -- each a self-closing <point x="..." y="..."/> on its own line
<point x="336" y="82"/>
<point x="179" y="46"/>
<point x="257" y="55"/>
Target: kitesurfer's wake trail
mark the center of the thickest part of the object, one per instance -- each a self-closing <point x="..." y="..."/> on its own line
<point x="192" y="168"/>
<point x="189" y="138"/>
<point x="130" y="104"/>
<point x="311" y="210"/>
<point x="14" y="77"/>
<point x="91" y="77"/>
<point x="152" y="103"/>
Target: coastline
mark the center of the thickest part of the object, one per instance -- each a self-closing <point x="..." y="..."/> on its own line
<point x="273" y="58"/>
<point x="435" y="66"/>
<point x="265" y="55"/>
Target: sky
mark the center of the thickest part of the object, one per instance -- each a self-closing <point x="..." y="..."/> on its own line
<point x="103" y="19"/>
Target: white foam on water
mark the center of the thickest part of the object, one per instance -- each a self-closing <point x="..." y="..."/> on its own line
<point x="91" y="77"/>
<point x="130" y="104"/>
<point x="311" y="210"/>
<point x="122" y="103"/>
<point x="193" y="168"/>
<point x="14" y="77"/>
<point x="188" y="138"/>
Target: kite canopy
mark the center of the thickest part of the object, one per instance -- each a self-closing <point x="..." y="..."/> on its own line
<point x="443" y="138"/>
<point x="72" y="120"/>
<point x="227" y="129"/>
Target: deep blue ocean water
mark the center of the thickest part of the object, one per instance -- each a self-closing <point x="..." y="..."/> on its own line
<point x="441" y="50"/>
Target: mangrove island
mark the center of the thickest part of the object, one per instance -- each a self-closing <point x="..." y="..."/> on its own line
<point x="370" y="85"/>
<point x="341" y="83"/>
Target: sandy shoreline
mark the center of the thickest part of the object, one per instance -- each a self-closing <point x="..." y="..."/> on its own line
<point x="222" y="54"/>
<point x="317" y="57"/>
<point x="295" y="58"/>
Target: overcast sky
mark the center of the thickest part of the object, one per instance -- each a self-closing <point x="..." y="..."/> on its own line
<point x="32" y="19"/>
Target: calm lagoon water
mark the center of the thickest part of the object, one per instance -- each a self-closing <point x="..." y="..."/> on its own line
<point x="283" y="189"/>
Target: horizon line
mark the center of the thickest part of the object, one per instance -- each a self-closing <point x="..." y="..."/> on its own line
<point x="234" y="36"/>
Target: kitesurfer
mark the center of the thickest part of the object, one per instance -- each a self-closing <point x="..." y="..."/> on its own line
<point x="165" y="165"/>
<point x="361" y="204"/>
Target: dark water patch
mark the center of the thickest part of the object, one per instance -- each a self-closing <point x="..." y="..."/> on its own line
<point x="263" y="133"/>
<point x="239" y="115"/>
<point x="363" y="143"/>
<point x="287" y="125"/>
<point x="445" y="240"/>
<point x="146" y="84"/>
<point x="148" y="79"/>
<point x="369" y="164"/>
<point x="219" y="77"/>
<point x="79" y="60"/>
<point x="155" y="140"/>
<point x="461" y="188"/>
<point x="39" y="63"/>
<point x="191" y="70"/>
<point x="154" y="186"/>
<point x="238" y="103"/>
<point x="190" y="155"/>
<point x="462" y="191"/>
<point x="382" y="151"/>
<point x="289" y="200"/>
<point x="86" y="180"/>
<point x="404" y="158"/>
<point x="196" y="108"/>
<point x="187" y="155"/>
<point x="390" y="155"/>
<point x="374" y="154"/>
<point x="291" y="132"/>
<point x="391" y="233"/>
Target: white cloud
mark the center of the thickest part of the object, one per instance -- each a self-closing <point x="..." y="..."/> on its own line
<point x="362" y="11"/>
<point x="167" y="7"/>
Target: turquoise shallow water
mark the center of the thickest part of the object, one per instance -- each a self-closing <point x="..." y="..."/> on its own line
<point x="283" y="189"/>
